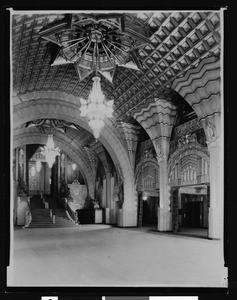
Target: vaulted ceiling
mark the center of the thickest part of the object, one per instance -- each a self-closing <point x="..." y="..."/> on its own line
<point x="174" y="42"/>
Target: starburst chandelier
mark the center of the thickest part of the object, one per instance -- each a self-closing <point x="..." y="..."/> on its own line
<point x="96" y="109"/>
<point x="50" y="151"/>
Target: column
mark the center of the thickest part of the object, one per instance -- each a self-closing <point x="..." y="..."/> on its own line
<point x="112" y="203"/>
<point x="13" y="198"/>
<point x="216" y="209"/>
<point x="132" y="154"/>
<point x="108" y="198"/>
<point x="59" y="174"/>
<point x="129" y="210"/>
<point x="215" y="146"/>
<point x="104" y="193"/>
<point x="66" y="168"/>
<point x="15" y="182"/>
<point x="164" y="214"/>
<point x="25" y="169"/>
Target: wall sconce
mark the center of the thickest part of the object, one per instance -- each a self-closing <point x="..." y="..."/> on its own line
<point x="38" y="165"/>
<point x="32" y="171"/>
<point x="144" y="196"/>
<point x="74" y="166"/>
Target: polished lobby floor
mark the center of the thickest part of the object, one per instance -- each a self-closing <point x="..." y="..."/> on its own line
<point x="100" y="255"/>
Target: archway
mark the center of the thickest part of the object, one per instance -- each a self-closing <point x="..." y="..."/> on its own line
<point x="39" y="138"/>
<point x="69" y="111"/>
<point x="147" y="186"/>
<point x="189" y="181"/>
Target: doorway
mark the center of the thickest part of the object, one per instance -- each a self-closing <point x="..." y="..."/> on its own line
<point x="150" y="211"/>
<point x="193" y="210"/>
<point x="147" y="211"/>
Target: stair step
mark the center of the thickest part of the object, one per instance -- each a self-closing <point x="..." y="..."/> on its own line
<point x="41" y="217"/>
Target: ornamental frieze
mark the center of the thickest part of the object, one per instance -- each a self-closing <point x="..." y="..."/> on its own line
<point x="186" y="128"/>
<point x="144" y="163"/>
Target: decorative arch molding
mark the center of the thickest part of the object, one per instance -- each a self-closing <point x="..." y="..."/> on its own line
<point x="185" y="151"/>
<point x="63" y="109"/>
<point x="38" y="138"/>
<point x="156" y="116"/>
<point x="145" y="162"/>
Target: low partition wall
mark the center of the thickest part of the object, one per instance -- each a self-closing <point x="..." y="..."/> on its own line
<point x="90" y="216"/>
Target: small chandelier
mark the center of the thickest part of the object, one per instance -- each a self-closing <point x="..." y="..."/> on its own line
<point x="96" y="108"/>
<point x="50" y="152"/>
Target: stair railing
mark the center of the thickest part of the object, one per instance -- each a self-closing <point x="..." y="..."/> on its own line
<point x="72" y="215"/>
<point x="28" y="218"/>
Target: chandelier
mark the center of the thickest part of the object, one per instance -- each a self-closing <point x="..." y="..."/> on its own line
<point x="96" y="109"/>
<point x="50" y="151"/>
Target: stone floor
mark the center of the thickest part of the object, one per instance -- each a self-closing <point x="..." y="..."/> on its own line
<point x="101" y="255"/>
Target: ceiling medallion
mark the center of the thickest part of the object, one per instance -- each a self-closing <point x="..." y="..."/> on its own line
<point x="96" y="42"/>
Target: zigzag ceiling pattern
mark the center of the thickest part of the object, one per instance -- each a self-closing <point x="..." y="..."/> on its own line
<point x="156" y="117"/>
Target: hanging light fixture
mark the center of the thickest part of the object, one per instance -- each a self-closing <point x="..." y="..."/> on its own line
<point x="96" y="108"/>
<point x="74" y="166"/>
<point x="50" y="151"/>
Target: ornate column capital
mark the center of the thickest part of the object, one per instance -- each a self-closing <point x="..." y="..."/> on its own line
<point x="161" y="149"/>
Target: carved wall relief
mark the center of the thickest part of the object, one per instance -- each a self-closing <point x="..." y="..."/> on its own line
<point x="211" y="134"/>
<point x="147" y="175"/>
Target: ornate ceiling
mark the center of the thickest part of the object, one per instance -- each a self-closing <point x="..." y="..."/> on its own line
<point x="95" y="43"/>
<point x="149" y="50"/>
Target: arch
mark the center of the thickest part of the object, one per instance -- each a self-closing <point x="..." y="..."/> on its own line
<point x="34" y="107"/>
<point x="40" y="138"/>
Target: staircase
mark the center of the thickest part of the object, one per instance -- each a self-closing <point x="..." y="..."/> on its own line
<point x="53" y="217"/>
<point x="41" y="218"/>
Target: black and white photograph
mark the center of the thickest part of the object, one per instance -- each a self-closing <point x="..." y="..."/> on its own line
<point x="117" y="149"/>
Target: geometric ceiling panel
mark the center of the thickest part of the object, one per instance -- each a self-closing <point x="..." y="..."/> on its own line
<point x="94" y="43"/>
<point x="152" y="49"/>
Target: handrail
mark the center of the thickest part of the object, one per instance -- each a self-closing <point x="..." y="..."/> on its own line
<point x="28" y="218"/>
<point x="72" y="215"/>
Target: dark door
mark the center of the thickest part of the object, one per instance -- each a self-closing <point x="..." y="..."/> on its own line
<point x="192" y="214"/>
<point x="150" y="210"/>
